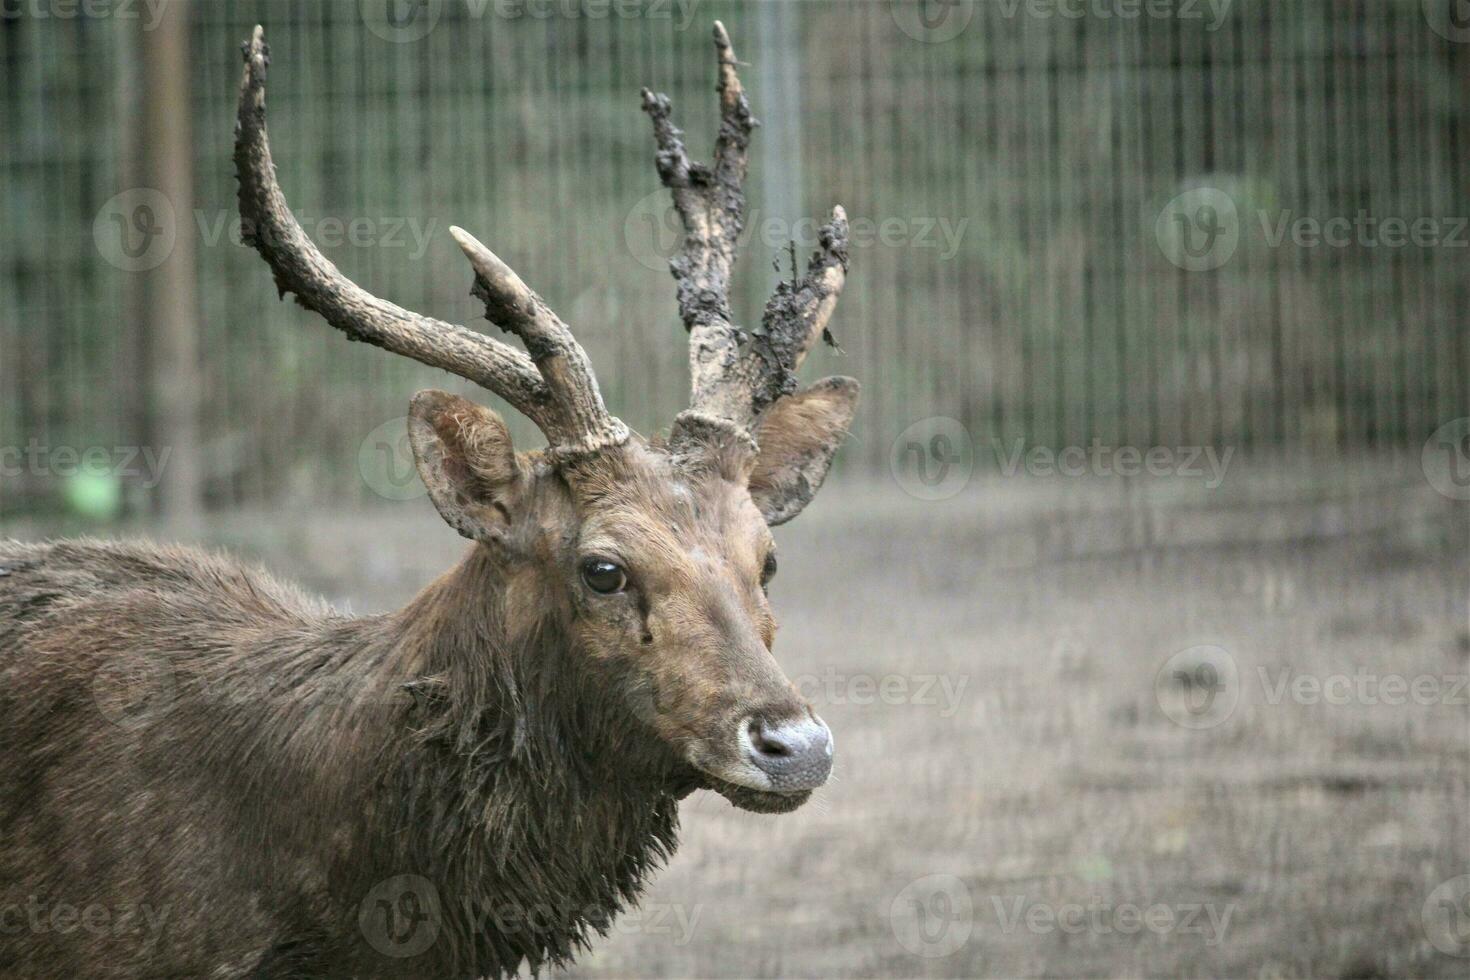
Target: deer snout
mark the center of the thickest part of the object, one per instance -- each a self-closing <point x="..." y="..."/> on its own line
<point x="794" y="755"/>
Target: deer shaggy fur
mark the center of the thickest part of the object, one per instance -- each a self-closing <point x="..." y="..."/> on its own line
<point x="229" y="769"/>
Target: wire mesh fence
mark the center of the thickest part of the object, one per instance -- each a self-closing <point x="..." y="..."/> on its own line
<point x="1232" y="224"/>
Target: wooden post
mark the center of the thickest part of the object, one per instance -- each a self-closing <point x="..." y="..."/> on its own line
<point x="171" y="304"/>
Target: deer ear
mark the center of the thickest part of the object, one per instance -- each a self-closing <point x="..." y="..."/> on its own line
<point x="798" y="437"/>
<point x="465" y="458"/>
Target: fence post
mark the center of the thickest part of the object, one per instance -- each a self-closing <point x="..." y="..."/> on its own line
<point x="171" y="304"/>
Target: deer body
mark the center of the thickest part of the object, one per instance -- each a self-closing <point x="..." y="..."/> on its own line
<point x="243" y="834"/>
<point x="250" y="785"/>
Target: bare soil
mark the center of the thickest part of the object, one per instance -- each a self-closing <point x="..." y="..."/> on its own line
<point x="1096" y="760"/>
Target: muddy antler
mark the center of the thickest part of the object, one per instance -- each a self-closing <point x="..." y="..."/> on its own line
<point x="737" y="374"/>
<point x="554" y="387"/>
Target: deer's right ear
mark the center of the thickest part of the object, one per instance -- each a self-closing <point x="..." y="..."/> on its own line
<point x="465" y="458"/>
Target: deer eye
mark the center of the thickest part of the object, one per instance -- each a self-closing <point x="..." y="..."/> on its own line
<point x="603" y="577"/>
<point x="768" y="570"/>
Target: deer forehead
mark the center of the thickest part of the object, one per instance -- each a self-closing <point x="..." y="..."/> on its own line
<point x="687" y="527"/>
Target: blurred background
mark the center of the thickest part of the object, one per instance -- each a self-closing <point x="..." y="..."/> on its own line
<point x="1160" y="307"/>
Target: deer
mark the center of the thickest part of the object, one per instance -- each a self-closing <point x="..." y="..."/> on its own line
<point x="209" y="773"/>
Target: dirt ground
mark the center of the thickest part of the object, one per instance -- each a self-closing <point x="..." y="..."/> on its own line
<point x="1239" y="748"/>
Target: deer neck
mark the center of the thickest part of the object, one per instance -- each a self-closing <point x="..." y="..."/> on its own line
<point x="521" y="791"/>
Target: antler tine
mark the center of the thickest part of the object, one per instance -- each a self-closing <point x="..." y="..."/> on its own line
<point x="737" y="374"/>
<point x="711" y="205"/>
<point x="318" y="285"/>
<point x="798" y="313"/>
<point x="512" y="305"/>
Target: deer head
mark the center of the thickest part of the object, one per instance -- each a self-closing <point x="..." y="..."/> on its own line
<point x="656" y="552"/>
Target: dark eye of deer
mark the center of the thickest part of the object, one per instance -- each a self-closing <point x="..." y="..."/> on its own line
<point x="603" y="576"/>
<point x="768" y="571"/>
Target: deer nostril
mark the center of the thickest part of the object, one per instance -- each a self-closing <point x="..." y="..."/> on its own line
<point x="767" y="743"/>
<point x="793" y="755"/>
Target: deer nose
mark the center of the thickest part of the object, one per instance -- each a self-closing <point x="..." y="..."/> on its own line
<point x="794" y="755"/>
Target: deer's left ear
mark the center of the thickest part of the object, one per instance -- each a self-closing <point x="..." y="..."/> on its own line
<point x="465" y="458"/>
<point x="798" y="437"/>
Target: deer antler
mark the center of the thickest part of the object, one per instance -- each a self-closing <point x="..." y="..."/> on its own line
<point x="736" y="374"/>
<point x="514" y="306"/>
<point x="554" y="387"/>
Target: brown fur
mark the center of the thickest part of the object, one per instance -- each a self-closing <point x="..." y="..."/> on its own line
<point x="508" y="737"/>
